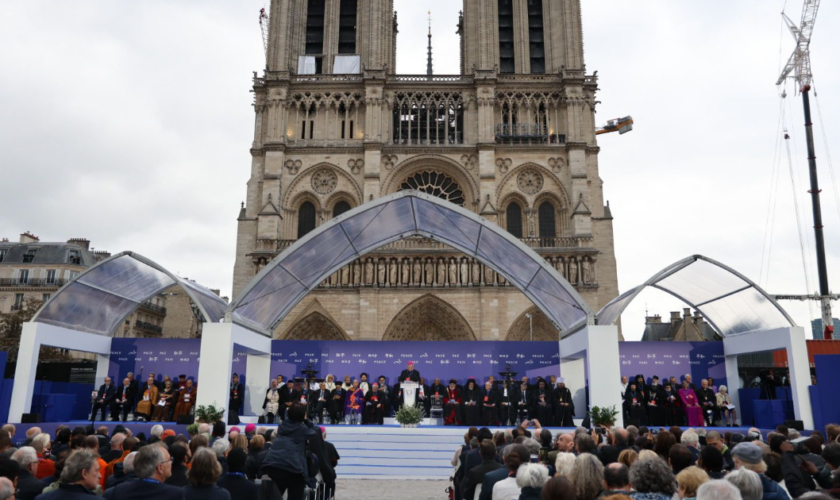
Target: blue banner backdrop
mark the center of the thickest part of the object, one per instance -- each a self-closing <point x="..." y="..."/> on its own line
<point x="459" y="360"/>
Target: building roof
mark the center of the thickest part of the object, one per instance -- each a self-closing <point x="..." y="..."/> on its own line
<point x="46" y="254"/>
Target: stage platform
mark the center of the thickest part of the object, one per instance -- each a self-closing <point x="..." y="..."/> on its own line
<point x="367" y="451"/>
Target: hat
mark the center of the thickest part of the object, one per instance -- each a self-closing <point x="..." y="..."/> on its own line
<point x="748" y="453"/>
<point x="167" y="433"/>
<point x="561" y="380"/>
<point x="234" y="429"/>
<point x="250" y="428"/>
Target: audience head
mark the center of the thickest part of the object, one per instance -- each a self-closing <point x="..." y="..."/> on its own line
<point x="7" y="488"/>
<point x="82" y="468"/>
<point x="587" y="476"/>
<point x="219" y="429"/>
<point x="617" y="477"/>
<point x="153" y="462"/>
<point x="564" y="463"/>
<point x="831" y="454"/>
<point x="297" y="412"/>
<point x="749" y="456"/>
<point x="27" y="459"/>
<point x="236" y="460"/>
<point x="10" y="469"/>
<point x="747" y="482"/>
<point x="585" y="444"/>
<point x="205" y="469"/>
<point x="487" y="449"/>
<point x="690" y="439"/>
<point x="221" y="447"/>
<point x="41" y="442"/>
<point x="718" y="490"/>
<point x="558" y="488"/>
<point x="178" y="452"/>
<point x="628" y="457"/>
<point x="531" y="475"/>
<point x="710" y="459"/>
<point x="652" y="476"/>
<point x="664" y="442"/>
<point x="679" y="457"/>
<point x="689" y="481"/>
<point x="128" y="463"/>
<point x="516" y="455"/>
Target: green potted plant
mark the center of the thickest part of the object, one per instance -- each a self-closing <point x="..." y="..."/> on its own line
<point x="209" y="414"/>
<point x="409" y="416"/>
<point x="603" y="417"/>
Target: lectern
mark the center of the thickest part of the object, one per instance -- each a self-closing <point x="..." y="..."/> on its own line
<point x="409" y="390"/>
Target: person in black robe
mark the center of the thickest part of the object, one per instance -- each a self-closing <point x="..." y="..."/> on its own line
<point x="542" y="406"/>
<point x="672" y="404"/>
<point x="707" y="400"/>
<point x="507" y="404"/>
<point x="655" y="403"/>
<point x="565" y="407"/>
<point x="235" y="400"/>
<point x="410" y="375"/>
<point x="288" y="398"/>
<point x="436" y="391"/>
<point x="523" y="395"/>
<point x="423" y="396"/>
<point x="336" y="405"/>
<point x="472" y="404"/>
<point x="375" y="403"/>
<point x="634" y="400"/>
<point x="383" y="388"/>
<point x="490" y="404"/>
<point x="284" y="391"/>
<point x="452" y="403"/>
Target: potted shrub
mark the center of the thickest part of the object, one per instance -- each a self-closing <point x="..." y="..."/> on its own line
<point x="209" y="414"/>
<point x="603" y="417"/>
<point x="409" y="416"/>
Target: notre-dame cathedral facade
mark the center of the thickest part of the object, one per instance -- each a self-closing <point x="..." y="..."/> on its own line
<point x="512" y="138"/>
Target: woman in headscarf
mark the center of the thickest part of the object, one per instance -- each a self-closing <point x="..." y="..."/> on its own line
<point x="693" y="412"/>
<point x="472" y="403"/>
<point x="634" y="404"/>
<point x="330" y="383"/>
<point x="354" y="402"/>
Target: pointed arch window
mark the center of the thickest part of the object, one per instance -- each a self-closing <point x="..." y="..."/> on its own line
<point x="340" y="208"/>
<point x="513" y="215"/>
<point x="306" y="219"/>
<point x="548" y="223"/>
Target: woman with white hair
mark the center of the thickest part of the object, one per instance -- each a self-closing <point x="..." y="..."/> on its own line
<point x="531" y="478"/>
<point x="564" y="463"/>
<point x="724" y="400"/>
<point x="588" y="476"/>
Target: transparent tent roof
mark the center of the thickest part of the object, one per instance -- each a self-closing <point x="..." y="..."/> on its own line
<point x="100" y="299"/>
<point x="299" y="269"/>
<point x="729" y="301"/>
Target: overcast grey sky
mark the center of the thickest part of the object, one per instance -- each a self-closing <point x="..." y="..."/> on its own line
<point x="129" y="123"/>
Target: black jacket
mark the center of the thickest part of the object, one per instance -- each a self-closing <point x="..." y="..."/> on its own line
<point x="178" y="477"/>
<point x="414" y="376"/>
<point x="108" y="393"/>
<point x="142" y="490"/>
<point x="130" y="393"/>
<point x="118" y="478"/>
<point x="28" y="486"/>
<point x="476" y="476"/>
<point x="211" y="492"/>
<point x="68" y="492"/>
<point x="239" y="487"/>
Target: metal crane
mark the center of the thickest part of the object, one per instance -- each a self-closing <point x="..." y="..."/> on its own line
<point x="264" y="29"/>
<point x="620" y="125"/>
<point x="800" y="65"/>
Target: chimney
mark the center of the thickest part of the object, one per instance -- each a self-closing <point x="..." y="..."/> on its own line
<point x="80" y="242"/>
<point x="28" y="237"/>
<point x="655" y="319"/>
<point x="687" y="313"/>
<point x="675" y="316"/>
<point x="216" y="291"/>
<point x="4" y="240"/>
<point x="698" y="318"/>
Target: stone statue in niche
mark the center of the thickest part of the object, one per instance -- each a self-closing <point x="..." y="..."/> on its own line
<point x="465" y="271"/>
<point x="357" y="272"/>
<point x="560" y="265"/>
<point x="586" y="271"/>
<point x="453" y="271"/>
<point x="345" y="275"/>
<point x="334" y="279"/>
<point x="380" y="275"/>
<point x="532" y="230"/>
<point x="573" y="271"/>
<point x="441" y="272"/>
<point x="406" y="272"/>
<point x="476" y="272"/>
<point x="430" y="272"/>
<point x="369" y="272"/>
<point x="489" y="279"/>
<point x="393" y="277"/>
<point x="417" y="274"/>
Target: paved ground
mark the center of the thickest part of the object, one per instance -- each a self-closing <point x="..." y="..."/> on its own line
<point x="382" y="489"/>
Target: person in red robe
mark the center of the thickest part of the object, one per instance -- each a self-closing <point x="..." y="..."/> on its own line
<point x="452" y="404"/>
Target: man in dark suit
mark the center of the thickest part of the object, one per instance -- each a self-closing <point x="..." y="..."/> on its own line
<point x="234" y="481"/>
<point x="487" y="450"/>
<point x="410" y="374"/>
<point x="493" y="477"/>
<point x="123" y="400"/>
<point x="708" y="402"/>
<point x="318" y="402"/>
<point x="235" y="400"/>
<point x="153" y="466"/>
<point x="28" y="486"/>
<point x="104" y="397"/>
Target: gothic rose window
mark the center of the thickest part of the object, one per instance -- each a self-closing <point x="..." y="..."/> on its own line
<point x="435" y="184"/>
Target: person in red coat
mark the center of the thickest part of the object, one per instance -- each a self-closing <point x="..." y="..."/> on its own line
<point x="452" y="404"/>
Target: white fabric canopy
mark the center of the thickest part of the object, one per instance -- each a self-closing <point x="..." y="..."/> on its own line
<point x="347" y="65"/>
<point x="306" y="65"/>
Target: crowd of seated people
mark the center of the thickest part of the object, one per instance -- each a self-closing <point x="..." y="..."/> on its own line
<point x="162" y="400"/>
<point x="642" y="463"/>
<point x="210" y="463"/>
<point x="672" y="402"/>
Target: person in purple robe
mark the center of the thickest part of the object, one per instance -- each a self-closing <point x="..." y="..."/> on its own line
<point x="693" y="412"/>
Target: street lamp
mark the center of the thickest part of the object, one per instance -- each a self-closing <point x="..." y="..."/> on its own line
<point x="530" y="325"/>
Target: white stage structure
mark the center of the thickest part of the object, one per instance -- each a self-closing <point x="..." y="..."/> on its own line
<point x="747" y="317"/>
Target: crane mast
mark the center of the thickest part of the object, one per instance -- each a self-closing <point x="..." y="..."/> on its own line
<point x="799" y="64"/>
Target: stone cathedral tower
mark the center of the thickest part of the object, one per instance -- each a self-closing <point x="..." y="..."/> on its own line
<point x="511" y="138"/>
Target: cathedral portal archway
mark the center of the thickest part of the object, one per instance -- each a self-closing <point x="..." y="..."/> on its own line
<point x="429" y="318"/>
<point x="315" y="326"/>
<point x="521" y="328"/>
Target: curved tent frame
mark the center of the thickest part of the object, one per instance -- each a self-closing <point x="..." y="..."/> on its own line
<point x="732" y="303"/>
<point x="287" y="279"/>
<point x="104" y="295"/>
